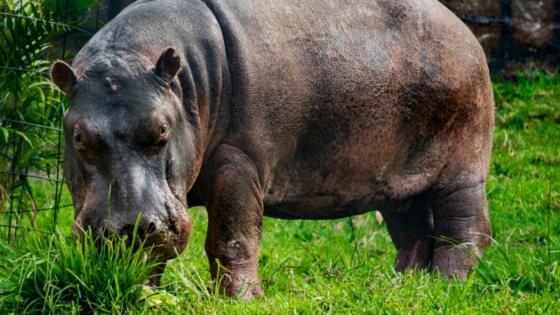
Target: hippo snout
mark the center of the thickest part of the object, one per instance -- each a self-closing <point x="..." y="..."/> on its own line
<point x="166" y="231"/>
<point x="167" y="236"/>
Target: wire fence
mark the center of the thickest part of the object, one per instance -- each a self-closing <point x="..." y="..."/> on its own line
<point x="32" y="190"/>
<point x="33" y="33"/>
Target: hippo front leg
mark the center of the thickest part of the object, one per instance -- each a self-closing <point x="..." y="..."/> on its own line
<point x="235" y="210"/>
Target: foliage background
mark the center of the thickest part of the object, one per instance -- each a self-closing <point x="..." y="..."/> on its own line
<point x="33" y="33"/>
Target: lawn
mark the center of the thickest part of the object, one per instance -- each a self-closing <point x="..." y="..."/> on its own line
<point x="338" y="266"/>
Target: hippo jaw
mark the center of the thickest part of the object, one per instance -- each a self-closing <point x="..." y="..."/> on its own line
<point x="129" y="151"/>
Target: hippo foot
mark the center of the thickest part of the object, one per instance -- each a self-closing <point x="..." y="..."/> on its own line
<point x="242" y="288"/>
<point x="450" y="261"/>
<point x="455" y="261"/>
<point x="417" y="255"/>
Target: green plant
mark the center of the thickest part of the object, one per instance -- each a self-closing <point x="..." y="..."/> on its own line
<point x="26" y="95"/>
<point x="32" y="33"/>
<point x="60" y="274"/>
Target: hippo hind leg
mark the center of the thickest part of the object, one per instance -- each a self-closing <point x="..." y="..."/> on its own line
<point x="411" y="232"/>
<point x="446" y="231"/>
<point x="461" y="229"/>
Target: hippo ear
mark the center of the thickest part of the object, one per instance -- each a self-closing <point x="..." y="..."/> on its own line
<point x="168" y="65"/>
<point x="63" y="76"/>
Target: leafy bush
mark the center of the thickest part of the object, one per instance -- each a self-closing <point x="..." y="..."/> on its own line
<point x="32" y="33"/>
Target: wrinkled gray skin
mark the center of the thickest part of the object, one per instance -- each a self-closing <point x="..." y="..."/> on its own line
<point x="293" y="109"/>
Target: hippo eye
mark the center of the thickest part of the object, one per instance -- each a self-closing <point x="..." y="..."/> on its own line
<point x="77" y="137"/>
<point x="163" y="129"/>
<point x="163" y="134"/>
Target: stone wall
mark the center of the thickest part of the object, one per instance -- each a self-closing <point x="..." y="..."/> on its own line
<point x="516" y="34"/>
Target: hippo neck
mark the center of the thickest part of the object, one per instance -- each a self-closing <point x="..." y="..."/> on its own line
<point x="193" y="31"/>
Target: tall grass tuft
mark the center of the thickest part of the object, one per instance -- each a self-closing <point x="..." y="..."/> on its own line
<point x="58" y="274"/>
<point x="537" y="273"/>
<point x="521" y="272"/>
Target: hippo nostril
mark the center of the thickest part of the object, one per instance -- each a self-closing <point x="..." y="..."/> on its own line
<point x="151" y="228"/>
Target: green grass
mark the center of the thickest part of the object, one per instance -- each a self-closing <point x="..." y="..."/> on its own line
<point x="59" y="274"/>
<point x="346" y="266"/>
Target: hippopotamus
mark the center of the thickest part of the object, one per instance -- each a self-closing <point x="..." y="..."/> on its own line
<point x="316" y="109"/>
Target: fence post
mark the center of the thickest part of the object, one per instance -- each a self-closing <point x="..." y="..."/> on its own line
<point x="506" y="36"/>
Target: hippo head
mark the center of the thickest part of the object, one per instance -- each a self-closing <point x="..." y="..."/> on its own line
<point x="129" y="151"/>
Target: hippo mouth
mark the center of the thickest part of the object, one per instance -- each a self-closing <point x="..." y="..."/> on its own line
<point x="168" y="232"/>
<point x="167" y="243"/>
<point x="165" y="232"/>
